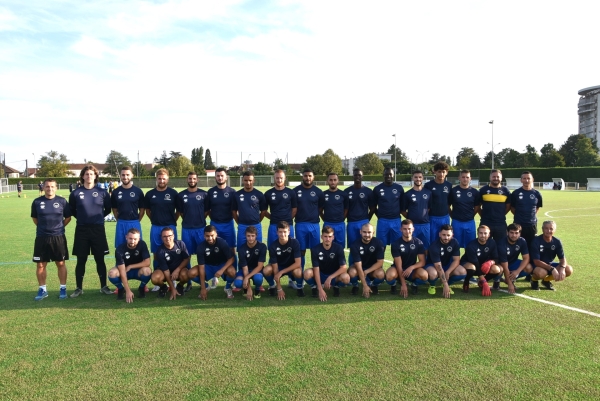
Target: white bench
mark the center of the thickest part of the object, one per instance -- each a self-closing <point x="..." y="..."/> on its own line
<point x="593" y="184"/>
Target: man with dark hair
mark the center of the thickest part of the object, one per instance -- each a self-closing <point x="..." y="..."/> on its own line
<point x="439" y="214"/>
<point x="465" y="202"/>
<point x="416" y="206"/>
<point x="171" y="259"/>
<point x="409" y="259"/>
<point x="361" y="206"/>
<point x="284" y="259"/>
<point x="388" y="199"/>
<point x="283" y="205"/>
<point x="252" y="258"/>
<point x="249" y="208"/>
<point x="509" y="249"/>
<point x="19" y="188"/>
<point x="310" y="204"/>
<point x="367" y="253"/>
<point x="524" y="205"/>
<point x="443" y="261"/>
<point x="219" y="207"/>
<point x="89" y="205"/>
<point x="481" y="259"/>
<point x="50" y="214"/>
<point x="127" y="203"/>
<point x="495" y="204"/>
<point x="132" y="263"/>
<point x="335" y="209"/>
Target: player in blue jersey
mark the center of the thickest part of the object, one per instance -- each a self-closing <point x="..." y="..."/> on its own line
<point x="416" y="206"/>
<point x="50" y="214"/>
<point x="310" y="203"/>
<point x="249" y="208"/>
<point x="439" y="214"/>
<point x="89" y="205"/>
<point x="252" y="257"/>
<point x="335" y="209"/>
<point x="127" y="202"/>
<point x="220" y="206"/>
<point x="284" y="259"/>
<point x="495" y="204"/>
<point x="388" y="200"/>
<point x="329" y="269"/>
<point x="132" y="263"/>
<point x="20" y="188"/>
<point x="509" y="249"/>
<point x="544" y="249"/>
<point x="443" y="261"/>
<point x="361" y="206"/>
<point x="367" y="253"/>
<point x="282" y="204"/>
<point x="172" y="259"/>
<point x="524" y="205"/>
<point x="465" y="203"/>
<point x="214" y="260"/>
<point x="409" y="261"/>
<point x="481" y="259"/>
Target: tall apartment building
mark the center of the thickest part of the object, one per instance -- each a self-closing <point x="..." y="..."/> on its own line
<point x="588" y="112"/>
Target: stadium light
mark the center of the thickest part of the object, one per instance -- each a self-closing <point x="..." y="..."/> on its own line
<point x="492" y="122"/>
<point x="395" y="157"/>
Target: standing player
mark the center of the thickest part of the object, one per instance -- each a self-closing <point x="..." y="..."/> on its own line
<point x="481" y="259"/>
<point x="310" y="203"/>
<point x="544" y="249"/>
<point x="252" y="257"/>
<point x="361" y="206"/>
<point x="388" y="200"/>
<point x="409" y="259"/>
<point x="465" y="201"/>
<point x="282" y="204"/>
<point x="509" y="249"/>
<point x="41" y="188"/>
<point x="284" y="258"/>
<point x="89" y="205"/>
<point x="20" y="188"/>
<point x="219" y="207"/>
<point x="328" y="267"/>
<point x="249" y="208"/>
<point x="335" y="209"/>
<point x="50" y="214"/>
<point x="495" y="204"/>
<point x="171" y="259"/>
<point x="416" y="206"/>
<point x="524" y="205"/>
<point x="439" y="214"/>
<point x="367" y="253"/>
<point x="132" y="263"/>
<point x="443" y="261"/>
<point x="127" y="203"/>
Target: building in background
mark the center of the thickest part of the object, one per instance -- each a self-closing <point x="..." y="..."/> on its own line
<point x="588" y="112"/>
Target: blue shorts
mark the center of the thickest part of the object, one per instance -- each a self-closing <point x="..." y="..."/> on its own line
<point x="272" y="234"/>
<point x="257" y="279"/>
<point x="422" y="232"/>
<point x="308" y="235"/>
<point x="226" y="231"/>
<point x="133" y="274"/>
<point x="451" y="279"/>
<point x="324" y="277"/>
<point x="388" y="230"/>
<point x="515" y="265"/>
<point x="435" y="224"/>
<point x="155" y="239"/>
<point x="241" y="233"/>
<point x="464" y="232"/>
<point x="121" y="231"/>
<point x="210" y="270"/>
<point x="353" y="230"/>
<point x="192" y="237"/>
<point x="339" y="232"/>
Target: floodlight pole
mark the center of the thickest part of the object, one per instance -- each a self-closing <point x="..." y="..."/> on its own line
<point x="492" y="122"/>
<point x="395" y="157"/>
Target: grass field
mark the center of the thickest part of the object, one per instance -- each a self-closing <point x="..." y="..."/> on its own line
<point x="385" y="347"/>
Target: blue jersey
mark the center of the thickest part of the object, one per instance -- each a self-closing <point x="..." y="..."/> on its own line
<point x="50" y="214"/>
<point x="89" y="206"/>
<point x="161" y="205"/>
<point x="127" y="256"/>
<point x="417" y="204"/>
<point x="220" y="203"/>
<point x="443" y="253"/>
<point x="171" y="259"/>
<point x="408" y="251"/>
<point x="546" y="251"/>
<point x="328" y="260"/>
<point x="508" y="252"/>
<point x="281" y="202"/>
<point x="250" y="257"/>
<point x="526" y="203"/>
<point x="335" y="203"/>
<point x="367" y="254"/>
<point x="310" y="201"/>
<point x="284" y="255"/>
<point x="191" y="206"/>
<point x="464" y="201"/>
<point x="440" y="194"/>
<point x="214" y="255"/>
<point x="249" y="206"/>
<point x="476" y="253"/>
<point x="388" y="200"/>
<point x="128" y="202"/>
<point x="493" y="205"/>
<point x="360" y="200"/>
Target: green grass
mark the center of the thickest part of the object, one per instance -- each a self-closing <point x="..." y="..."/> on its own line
<point x="425" y="347"/>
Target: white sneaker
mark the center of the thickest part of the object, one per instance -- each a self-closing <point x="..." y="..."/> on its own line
<point x="214" y="282"/>
<point x="295" y="286"/>
<point x="229" y="292"/>
<point x="156" y="288"/>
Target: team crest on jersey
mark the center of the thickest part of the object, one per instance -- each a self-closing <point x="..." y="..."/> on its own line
<point x="256" y="251"/>
<point x="394" y="191"/>
<point x="446" y="190"/>
<point x="95" y="194"/>
<point x="132" y="195"/>
<point x="226" y="194"/>
<point x="320" y="256"/>
<point x="552" y="247"/>
<point x="285" y="196"/>
<point x="56" y="205"/>
<point x="253" y="198"/>
<point x="361" y="195"/>
<point x="486" y="249"/>
<point x="332" y="255"/>
<point x="371" y="248"/>
<point x="312" y="193"/>
<point x="177" y="251"/>
<point x="532" y="196"/>
<point x="137" y="253"/>
<point x="449" y="249"/>
<point x="425" y="196"/>
<point x="198" y="197"/>
<point x="412" y="246"/>
<point x="469" y="194"/>
<point x="167" y="197"/>
<point x="517" y="248"/>
<point x="500" y="192"/>
<point x="216" y="249"/>
<point x="337" y="197"/>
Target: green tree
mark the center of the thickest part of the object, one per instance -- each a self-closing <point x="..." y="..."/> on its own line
<point x="180" y="166"/>
<point x="510" y="158"/>
<point x="163" y="160"/>
<point x="261" y="168"/>
<point x="531" y="157"/>
<point x="324" y="164"/>
<point x="569" y="149"/>
<point x="114" y="161"/>
<point x="467" y="158"/>
<point x="52" y="164"/>
<point x="586" y="152"/>
<point x="197" y="160"/>
<point x="140" y="170"/>
<point x="279" y="164"/>
<point x="208" y="162"/>
<point x="550" y="157"/>
<point x="402" y="163"/>
<point x="369" y="163"/>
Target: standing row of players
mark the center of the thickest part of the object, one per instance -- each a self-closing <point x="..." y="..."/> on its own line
<point x="306" y="205"/>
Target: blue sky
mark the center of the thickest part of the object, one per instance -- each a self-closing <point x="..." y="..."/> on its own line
<point x="264" y="79"/>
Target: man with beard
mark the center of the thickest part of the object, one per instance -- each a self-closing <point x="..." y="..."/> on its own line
<point x="465" y="202"/>
<point x="443" y="261"/>
<point x="417" y="202"/>
<point x="524" y="205"/>
<point x="219" y="207"/>
<point x="282" y="204"/>
<point x="249" y="208"/>
<point x="127" y="203"/>
<point x="495" y="204"/>
<point x="132" y="263"/>
<point x="409" y="259"/>
<point x="361" y="206"/>
<point x="172" y="259"/>
<point x="481" y="259"/>
<point x="439" y="214"/>
<point x="388" y="199"/>
<point x="367" y="253"/>
<point x="509" y="249"/>
<point x="310" y="203"/>
<point x="335" y="209"/>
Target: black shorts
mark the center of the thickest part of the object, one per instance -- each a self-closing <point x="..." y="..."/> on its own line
<point x="90" y="238"/>
<point x="50" y="249"/>
<point x="529" y="233"/>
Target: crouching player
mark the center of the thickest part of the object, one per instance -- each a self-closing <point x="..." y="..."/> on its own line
<point x="509" y="249"/>
<point x="171" y="261"/>
<point x="443" y="261"/>
<point x="329" y="266"/>
<point x="215" y="259"/>
<point x="133" y="263"/>
<point x="284" y="258"/>
<point x="367" y="254"/>
<point x="480" y="259"/>
<point x="251" y="260"/>
<point x="544" y="249"/>
<point x="409" y="259"/>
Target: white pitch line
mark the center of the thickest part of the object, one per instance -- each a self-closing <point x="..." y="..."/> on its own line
<point x="555" y="304"/>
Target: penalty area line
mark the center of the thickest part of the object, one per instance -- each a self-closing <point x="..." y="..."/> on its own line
<point x="555" y="304"/>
